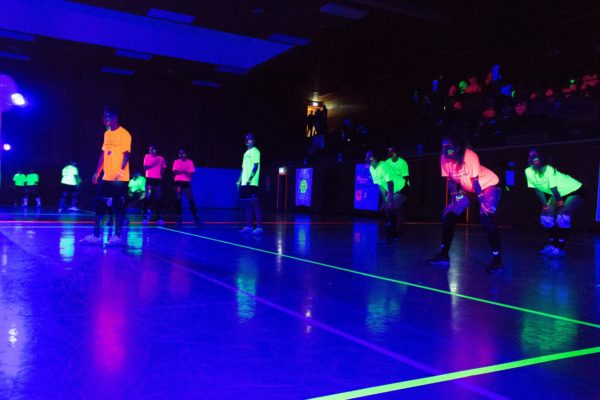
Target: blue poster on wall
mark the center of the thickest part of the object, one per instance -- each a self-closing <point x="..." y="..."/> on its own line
<point x="304" y="180"/>
<point x="366" y="193"/>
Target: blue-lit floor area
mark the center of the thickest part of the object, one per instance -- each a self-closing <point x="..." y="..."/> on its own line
<point x="313" y="307"/>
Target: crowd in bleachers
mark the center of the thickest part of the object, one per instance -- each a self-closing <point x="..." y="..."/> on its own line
<point x="493" y="107"/>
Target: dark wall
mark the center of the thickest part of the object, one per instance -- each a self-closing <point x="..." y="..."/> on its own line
<point x="63" y="121"/>
<point x="333" y="188"/>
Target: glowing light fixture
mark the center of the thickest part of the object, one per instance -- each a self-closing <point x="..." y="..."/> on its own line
<point x="6" y="146"/>
<point x="315" y="104"/>
<point x="18" y="99"/>
<point x="282" y="170"/>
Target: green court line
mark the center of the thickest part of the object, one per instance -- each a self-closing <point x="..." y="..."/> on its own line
<point x="458" y="375"/>
<point x="383" y="278"/>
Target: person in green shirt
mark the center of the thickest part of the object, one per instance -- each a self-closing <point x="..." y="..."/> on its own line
<point x="380" y="176"/>
<point x="32" y="188"/>
<point x="137" y="190"/>
<point x="398" y="188"/>
<point x="19" y="181"/>
<point x="248" y="186"/>
<point x="560" y="196"/>
<point x="69" y="184"/>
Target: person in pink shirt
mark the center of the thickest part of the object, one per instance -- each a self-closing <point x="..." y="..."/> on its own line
<point x="183" y="170"/>
<point x="154" y="165"/>
<point x="468" y="180"/>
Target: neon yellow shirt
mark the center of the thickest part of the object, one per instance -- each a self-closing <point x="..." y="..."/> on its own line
<point x="115" y="144"/>
<point x="379" y="175"/>
<point x="20" y="179"/>
<point x="70" y="175"/>
<point x="137" y="184"/>
<point x="251" y="157"/>
<point x="397" y="171"/>
<point x="548" y="178"/>
<point x="33" y="179"/>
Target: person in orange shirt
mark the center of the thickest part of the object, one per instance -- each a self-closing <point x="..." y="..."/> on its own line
<point x="154" y="165"/>
<point x="112" y="189"/>
<point x="183" y="169"/>
<point x="468" y="180"/>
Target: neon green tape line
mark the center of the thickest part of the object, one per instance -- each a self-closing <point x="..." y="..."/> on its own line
<point x="383" y="278"/>
<point x="458" y="375"/>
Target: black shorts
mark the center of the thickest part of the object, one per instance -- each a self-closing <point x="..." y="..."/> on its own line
<point x="32" y="190"/>
<point x="113" y="189"/>
<point x="69" y="188"/>
<point x="153" y="182"/>
<point x="182" y="184"/>
<point x="249" y="192"/>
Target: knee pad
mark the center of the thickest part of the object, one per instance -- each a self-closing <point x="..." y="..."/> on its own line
<point x="563" y="221"/>
<point x="488" y="222"/>
<point x="547" y="221"/>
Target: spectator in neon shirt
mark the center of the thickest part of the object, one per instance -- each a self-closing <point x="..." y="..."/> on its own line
<point x="560" y="196"/>
<point x="473" y="86"/>
<point x="183" y="170"/>
<point x="69" y="184"/>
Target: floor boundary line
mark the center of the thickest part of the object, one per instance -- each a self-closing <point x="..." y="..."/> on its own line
<point x="452" y="376"/>
<point x="387" y="279"/>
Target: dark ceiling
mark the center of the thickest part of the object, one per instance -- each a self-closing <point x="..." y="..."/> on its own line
<point x="411" y="37"/>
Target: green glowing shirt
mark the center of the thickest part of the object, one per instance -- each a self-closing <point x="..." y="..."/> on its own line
<point x="251" y="157"/>
<point x="548" y="178"/>
<point x="20" y="179"/>
<point x="397" y="171"/>
<point x="33" y="179"/>
<point x="379" y="175"/>
<point x="137" y="184"/>
<point x="70" y="176"/>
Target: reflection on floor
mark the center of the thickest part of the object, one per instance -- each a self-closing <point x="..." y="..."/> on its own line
<point x="313" y="307"/>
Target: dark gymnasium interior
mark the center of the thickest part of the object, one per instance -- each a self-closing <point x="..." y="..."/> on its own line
<point x="285" y="199"/>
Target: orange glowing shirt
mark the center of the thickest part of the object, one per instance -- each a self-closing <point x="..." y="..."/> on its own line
<point x="115" y="144"/>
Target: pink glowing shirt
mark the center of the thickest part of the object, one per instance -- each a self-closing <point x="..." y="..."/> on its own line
<point x="187" y="167"/>
<point x="154" y="166"/>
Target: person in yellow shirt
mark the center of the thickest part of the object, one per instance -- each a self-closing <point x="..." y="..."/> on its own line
<point x="32" y="188"/>
<point x="112" y="189"/>
<point x="69" y="184"/>
<point x="19" y="181"/>
<point x="560" y="195"/>
<point x="380" y="176"/>
<point x="398" y="189"/>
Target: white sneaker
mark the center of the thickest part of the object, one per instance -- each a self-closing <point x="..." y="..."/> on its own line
<point x="246" y="229"/>
<point x="114" y="241"/>
<point x="257" y="231"/>
<point x="91" y="239"/>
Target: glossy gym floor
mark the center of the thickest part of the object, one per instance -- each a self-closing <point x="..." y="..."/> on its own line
<point x="314" y="307"/>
